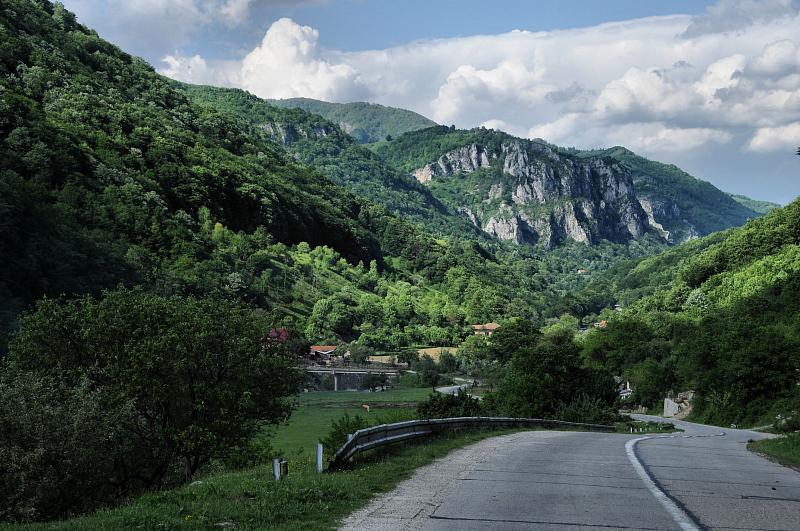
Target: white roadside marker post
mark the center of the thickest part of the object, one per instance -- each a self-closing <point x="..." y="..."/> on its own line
<point x="319" y="458"/>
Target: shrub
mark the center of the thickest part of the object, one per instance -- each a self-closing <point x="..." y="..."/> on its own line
<point x="587" y="409"/>
<point x="340" y="429"/>
<point x="445" y="406"/>
<point x="105" y="398"/>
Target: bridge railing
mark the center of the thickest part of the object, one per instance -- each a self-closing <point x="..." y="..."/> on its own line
<point x="385" y="434"/>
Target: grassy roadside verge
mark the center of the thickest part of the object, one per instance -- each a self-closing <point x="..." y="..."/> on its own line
<point x="250" y="499"/>
<point x="784" y="450"/>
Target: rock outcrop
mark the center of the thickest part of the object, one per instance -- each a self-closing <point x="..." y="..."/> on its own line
<point x="545" y="197"/>
<point x="464" y="159"/>
<point x="287" y="133"/>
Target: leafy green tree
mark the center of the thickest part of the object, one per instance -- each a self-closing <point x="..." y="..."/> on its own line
<point x="428" y="371"/>
<point x="439" y="406"/>
<point x="447" y="362"/>
<point x="547" y="374"/>
<point x="512" y="337"/>
<point x="168" y="383"/>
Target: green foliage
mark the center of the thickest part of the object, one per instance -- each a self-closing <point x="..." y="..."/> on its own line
<point x="373" y="380"/>
<point x="722" y="318"/>
<point x="341" y="428"/>
<point x="588" y="409"/>
<point x="762" y="207"/>
<point x="512" y="338"/>
<point x="366" y="122"/>
<point x="440" y="406"/>
<point x="147" y="388"/>
<point x="322" y="144"/>
<point x="447" y="362"/>
<point x="546" y="374"/>
<point x="428" y="371"/>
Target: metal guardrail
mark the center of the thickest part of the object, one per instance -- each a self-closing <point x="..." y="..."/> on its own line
<point x="384" y="434"/>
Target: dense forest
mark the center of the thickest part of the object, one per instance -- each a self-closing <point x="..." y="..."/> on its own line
<point x="719" y="315"/>
<point x="365" y="122"/>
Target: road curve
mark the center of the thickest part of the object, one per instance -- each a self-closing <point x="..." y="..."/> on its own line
<point x="698" y="479"/>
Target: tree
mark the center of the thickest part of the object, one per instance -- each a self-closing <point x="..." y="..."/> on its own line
<point x="546" y="375"/>
<point x="168" y="383"/>
<point x="428" y="371"/>
<point x="512" y="337"/>
<point x="447" y="362"/>
<point x="373" y="380"/>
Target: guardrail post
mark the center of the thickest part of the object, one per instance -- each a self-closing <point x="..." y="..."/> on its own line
<point x="319" y="458"/>
<point x="276" y="469"/>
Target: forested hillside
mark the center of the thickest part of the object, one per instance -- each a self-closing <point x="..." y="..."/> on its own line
<point x="478" y="170"/>
<point x="322" y="144"/>
<point x="366" y="122"/>
<point x="720" y="315"/>
<point x="762" y="207"/>
<point x="111" y="175"/>
<point x="685" y="206"/>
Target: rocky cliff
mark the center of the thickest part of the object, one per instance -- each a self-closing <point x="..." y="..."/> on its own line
<point x="526" y="192"/>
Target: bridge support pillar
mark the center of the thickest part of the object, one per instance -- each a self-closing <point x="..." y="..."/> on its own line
<point x="335" y="381"/>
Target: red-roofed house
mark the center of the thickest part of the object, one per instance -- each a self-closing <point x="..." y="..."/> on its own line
<point x="321" y="353"/>
<point x="485" y="329"/>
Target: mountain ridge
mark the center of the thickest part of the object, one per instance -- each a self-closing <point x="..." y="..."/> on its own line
<point x="676" y="205"/>
<point x="366" y="122"/>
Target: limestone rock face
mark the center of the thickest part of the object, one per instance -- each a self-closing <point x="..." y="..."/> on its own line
<point x="465" y="159"/>
<point x="288" y="133"/>
<point x="552" y="197"/>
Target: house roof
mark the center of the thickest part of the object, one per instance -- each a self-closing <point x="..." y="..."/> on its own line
<point x="323" y="348"/>
<point x="487" y="326"/>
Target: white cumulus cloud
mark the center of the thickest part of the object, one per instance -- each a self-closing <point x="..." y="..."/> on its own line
<point x="289" y="63"/>
<point x="661" y="84"/>
<point x="785" y="137"/>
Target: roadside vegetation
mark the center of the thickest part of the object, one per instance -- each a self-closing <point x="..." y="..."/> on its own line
<point x="251" y="499"/>
<point x="785" y="450"/>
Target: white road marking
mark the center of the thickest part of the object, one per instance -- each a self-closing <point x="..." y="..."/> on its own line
<point x="680" y="516"/>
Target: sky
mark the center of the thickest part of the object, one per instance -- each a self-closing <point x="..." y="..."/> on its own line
<point x="711" y="86"/>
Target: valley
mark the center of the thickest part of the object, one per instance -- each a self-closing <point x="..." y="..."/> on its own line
<point x="176" y="256"/>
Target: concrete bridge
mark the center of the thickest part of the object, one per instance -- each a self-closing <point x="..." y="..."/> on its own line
<point x="336" y="372"/>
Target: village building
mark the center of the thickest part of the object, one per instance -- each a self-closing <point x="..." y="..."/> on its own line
<point x="321" y="354"/>
<point x="485" y="329"/>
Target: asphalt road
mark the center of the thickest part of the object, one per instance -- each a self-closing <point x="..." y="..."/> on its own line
<point x="698" y="479"/>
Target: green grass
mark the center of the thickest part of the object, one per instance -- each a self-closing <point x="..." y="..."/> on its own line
<point x="250" y="499"/>
<point x="785" y="450"/>
<point x="315" y="411"/>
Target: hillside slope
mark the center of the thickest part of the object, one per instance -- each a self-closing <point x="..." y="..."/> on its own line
<point x="531" y="191"/>
<point x="109" y="175"/>
<point x="762" y="207"/>
<point x="685" y="206"/>
<point x="720" y="315"/>
<point x="320" y="143"/>
<point x="366" y="122"/>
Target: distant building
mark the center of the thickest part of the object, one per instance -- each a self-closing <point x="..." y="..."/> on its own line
<point x="321" y="353"/>
<point x="583" y="271"/>
<point x="485" y="329"/>
<point x="601" y="324"/>
<point x="624" y="387"/>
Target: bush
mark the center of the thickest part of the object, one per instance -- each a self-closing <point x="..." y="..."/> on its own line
<point x="105" y="398"/>
<point x="340" y="429"/>
<point x="591" y="410"/>
<point x="439" y="406"/>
